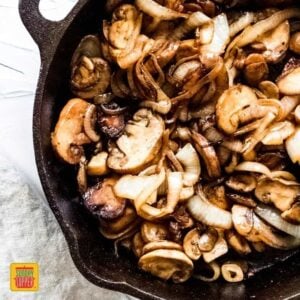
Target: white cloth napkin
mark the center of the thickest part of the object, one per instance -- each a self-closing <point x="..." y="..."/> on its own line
<point x="28" y="230"/>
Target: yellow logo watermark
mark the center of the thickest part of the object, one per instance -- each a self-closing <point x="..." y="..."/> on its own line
<point x="24" y="277"/>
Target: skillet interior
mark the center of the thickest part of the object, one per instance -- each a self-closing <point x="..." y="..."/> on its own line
<point x="93" y="255"/>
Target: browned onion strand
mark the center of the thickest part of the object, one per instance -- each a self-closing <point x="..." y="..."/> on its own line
<point x="183" y="126"/>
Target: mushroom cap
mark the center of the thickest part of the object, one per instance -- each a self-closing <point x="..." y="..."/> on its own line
<point x="68" y="135"/>
<point x="139" y="144"/>
<point x="190" y="244"/>
<point x="90" y="77"/>
<point x="276" y="42"/>
<point x="121" y="223"/>
<point x="230" y="102"/>
<point x="281" y="195"/>
<point x="220" y="248"/>
<point x="167" y="264"/>
<point x="153" y="232"/>
<point x="161" y="245"/>
<point x="288" y="81"/>
<point x="89" y="46"/>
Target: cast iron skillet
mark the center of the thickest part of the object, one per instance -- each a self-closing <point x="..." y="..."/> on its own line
<point x="92" y="254"/>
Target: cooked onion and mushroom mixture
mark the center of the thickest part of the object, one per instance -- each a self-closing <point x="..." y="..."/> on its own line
<point x="185" y="133"/>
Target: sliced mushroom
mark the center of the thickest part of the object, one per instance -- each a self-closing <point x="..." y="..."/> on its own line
<point x="254" y="229"/>
<point x="217" y="196"/>
<point x="289" y="79"/>
<point x="244" y="183"/>
<point x="190" y="244"/>
<point x="255" y="69"/>
<point x="101" y="200"/>
<point x="269" y="89"/>
<point x="272" y="191"/>
<point x="90" y="77"/>
<point x="208" y="239"/>
<point x="153" y="232"/>
<point x="232" y="101"/>
<point x="208" y="154"/>
<point x="232" y="272"/>
<point x="127" y="232"/>
<point x="237" y="242"/>
<point x="218" y="250"/>
<point x="138" y="244"/>
<point x="139" y="144"/>
<point x="97" y="165"/>
<point x="292" y="146"/>
<point x="161" y="245"/>
<point x="89" y="46"/>
<point x="182" y="221"/>
<point x="276" y="42"/>
<point x="68" y="136"/>
<point x="121" y="223"/>
<point x="167" y="264"/>
<point x="245" y="200"/>
<point x="123" y="35"/>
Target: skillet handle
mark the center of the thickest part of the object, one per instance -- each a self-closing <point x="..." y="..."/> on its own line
<point x="35" y="23"/>
<point x="42" y="30"/>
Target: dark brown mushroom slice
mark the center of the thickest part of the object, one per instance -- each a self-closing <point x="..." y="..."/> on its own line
<point x="242" y="199"/>
<point x="180" y="220"/>
<point x="111" y="119"/>
<point x="208" y="153"/>
<point x="89" y="46"/>
<point x="90" y="77"/>
<point x="273" y="159"/>
<point x="243" y="183"/>
<point x="101" y="201"/>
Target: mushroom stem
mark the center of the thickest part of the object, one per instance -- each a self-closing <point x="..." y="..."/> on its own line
<point x="232" y="272"/>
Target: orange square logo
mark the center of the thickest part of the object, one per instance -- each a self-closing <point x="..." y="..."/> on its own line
<point x="24" y="277"/>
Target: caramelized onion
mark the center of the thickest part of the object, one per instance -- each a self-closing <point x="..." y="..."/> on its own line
<point x="155" y="10"/>
<point x="209" y="214"/>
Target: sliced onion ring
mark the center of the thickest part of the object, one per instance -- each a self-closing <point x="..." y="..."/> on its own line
<point x="155" y="10"/>
<point x="251" y="166"/>
<point x="273" y="217"/>
<point x="202" y="210"/>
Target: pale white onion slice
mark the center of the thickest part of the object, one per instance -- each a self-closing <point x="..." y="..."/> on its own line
<point x="251" y="166"/>
<point x="202" y="210"/>
<point x="273" y="217"/>
<point x="155" y="10"/>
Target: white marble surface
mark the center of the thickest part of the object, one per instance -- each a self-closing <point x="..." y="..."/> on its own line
<point x="28" y="230"/>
